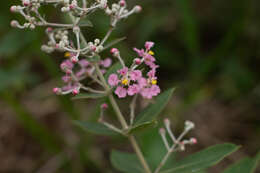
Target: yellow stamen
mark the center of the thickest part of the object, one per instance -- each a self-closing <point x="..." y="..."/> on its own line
<point x="151" y="52"/>
<point x="67" y="55"/>
<point x="154" y="82"/>
<point x="125" y="82"/>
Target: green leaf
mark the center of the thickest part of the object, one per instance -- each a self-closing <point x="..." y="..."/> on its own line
<point x="203" y="159"/>
<point x="246" y="165"/>
<point x="95" y="58"/>
<point x="96" y="128"/>
<point x="142" y="126"/>
<point x="89" y="96"/>
<point x="113" y="69"/>
<point x="112" y="43"/>
<point x="126" y="162"/>
<point x="153" y="110"/>
<point x="85" y="23"/>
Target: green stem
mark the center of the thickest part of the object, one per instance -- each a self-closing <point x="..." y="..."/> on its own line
<point x="124" y="123"/>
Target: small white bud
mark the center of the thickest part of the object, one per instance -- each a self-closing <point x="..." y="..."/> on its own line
<point x="138" y="9"/>
<point x="189" y="125"/>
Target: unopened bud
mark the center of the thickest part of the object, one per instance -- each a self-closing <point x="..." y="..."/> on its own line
<point x="137" y="61"/>
<point x="114" y="51"/>
<point x="13" y="8"/>
<point x="122" y="3"/>
<point x="56" y="90"/>
<point x="104" y="106"/>
<point x="193" y="140"/>
<point x="138" y="9"/>
<point x="49" y="29"/>
<point x="75" y="92"/>
<point x="26" y="3"/>
<point x="14" y="23"/>
<point x="162" y="131"/>
<point x="74" y="59"/>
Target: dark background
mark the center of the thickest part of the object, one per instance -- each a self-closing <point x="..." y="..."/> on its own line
<point x="207" y="49"/>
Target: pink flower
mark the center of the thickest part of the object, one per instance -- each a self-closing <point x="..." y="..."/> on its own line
<point x="81" y="72"/>
<point x="148" y="93"/>
<point x="149" y="45"/>
<point x="140" y="52"/>
<point x="113" y="80"/>
<point x="106" y="62"/>
<point x="67" y="64"/>
<point x="155" y="90"/>
<point x="121" y="92"/>
<point x="123" y="71"/>
<point x="135" y="75"/>
<point x="142" y="82"/>
<point x="66" y="78"/>
<point x="83" y="63"/>
<point x="133" y="89"/>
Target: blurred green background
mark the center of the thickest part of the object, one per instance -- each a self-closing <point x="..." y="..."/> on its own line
<point x="209" y="50"/>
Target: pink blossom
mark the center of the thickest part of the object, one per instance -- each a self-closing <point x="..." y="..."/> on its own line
<point x="121" y="92"/>
<point x="83" y="63"/>
<point x="135" y="75"/>
<point x="81" y="72"/>
<point x="113" y="80"/>
<point x="140" y="52"/>
<point x="155" y="90"/>
<point x="133" y="89"/>
<point x="106" y="62"/>
<point x="142" y="82"/>
<point x="67" y="64"/>
<point x="66" y="78"/>
<point x="123" y="71"/>
<point x="148" y="93"/>
<point x="149" y="45"/>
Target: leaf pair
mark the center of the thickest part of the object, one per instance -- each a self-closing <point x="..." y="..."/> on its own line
<point x="145" y="119"/>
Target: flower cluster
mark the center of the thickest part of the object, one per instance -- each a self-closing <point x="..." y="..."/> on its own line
<point x="131" y="81"/>
<point x="75" y="73"/>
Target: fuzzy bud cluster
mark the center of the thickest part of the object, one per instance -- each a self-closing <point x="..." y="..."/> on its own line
<point x="178" y="142"/>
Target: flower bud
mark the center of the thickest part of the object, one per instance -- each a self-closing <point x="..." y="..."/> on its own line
<point x="193" y="141"/>
<point x="137" y="61"/>
<point x="49" y="29"/>
<point x="189" y="125"/>
<point x="13" y="8"/>
<point x="14" y="23"/>
<point x="162" y="131"/>
<point x="26" y="3"/>
<point x="76" y="29"/>
<point x="104" y="106"/>
<point x="74" y="59"/>
<point x="114" y="51"/>
<point x="138" y="9"/>
<point x="75" y="92"/>
<point x="56" y="90"/>
<point x="122" y="3"/>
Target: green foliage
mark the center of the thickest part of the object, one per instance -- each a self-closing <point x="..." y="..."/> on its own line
<point x="154" y="109"/>
<point x="125" y="162"/>
<point x="96" y="128"/>
<point x="88" y="96"/>
<point x="203" y="159"/>
<point x="246" y="165"/>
